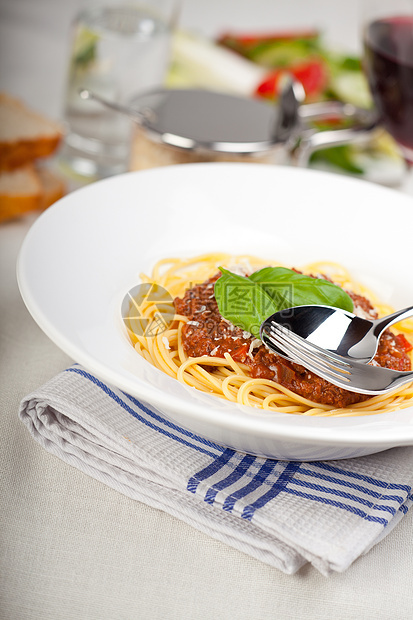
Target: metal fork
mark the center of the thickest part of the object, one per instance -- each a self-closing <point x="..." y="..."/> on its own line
<point x="352" y="376"/>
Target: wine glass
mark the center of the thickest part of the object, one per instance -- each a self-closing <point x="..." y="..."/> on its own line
<point x="388" y="64"/>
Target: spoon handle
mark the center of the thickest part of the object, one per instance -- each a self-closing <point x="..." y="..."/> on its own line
<point x="134" y="115"/>
<point x="381" y="324"/>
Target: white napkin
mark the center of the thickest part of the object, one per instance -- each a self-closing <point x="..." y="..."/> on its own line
<point x="282" y="513"/>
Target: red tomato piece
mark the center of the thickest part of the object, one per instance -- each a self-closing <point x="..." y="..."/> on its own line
<point x="403" y="343"/>
<point x="240" y="354"/>
<point x="269" y="87"/>
<point x="311" y="74"/>
<point x="264" y="37"/>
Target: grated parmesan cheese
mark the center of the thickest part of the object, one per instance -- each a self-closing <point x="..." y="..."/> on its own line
<point x="166" y="342"/>
<point x="253" y="345"/>
<point x="359" y="311"/>
<point x="238" y="269"/>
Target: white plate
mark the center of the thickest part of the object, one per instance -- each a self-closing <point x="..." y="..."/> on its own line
<point x="83" y="254"/>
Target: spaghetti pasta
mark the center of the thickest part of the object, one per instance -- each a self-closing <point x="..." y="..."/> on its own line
<point x="226" y="377"/>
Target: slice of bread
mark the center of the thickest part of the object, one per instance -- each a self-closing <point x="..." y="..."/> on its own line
<point x="24" y="134"/>
<point x="53" y="187"/>
<point x="20" y="192"/>
<point x="27" y="189"/>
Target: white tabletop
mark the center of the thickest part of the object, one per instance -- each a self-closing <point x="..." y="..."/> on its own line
<point x="72" y="548"/>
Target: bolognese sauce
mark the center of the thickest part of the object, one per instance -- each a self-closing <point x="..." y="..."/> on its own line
<point x="207" y="333"/>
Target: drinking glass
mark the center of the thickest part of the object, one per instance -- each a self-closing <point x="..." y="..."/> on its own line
<point x="388" y="64"/>
<point x="119" y="49"/>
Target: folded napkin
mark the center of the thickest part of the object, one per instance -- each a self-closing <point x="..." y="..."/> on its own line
<point x="282" y="513"/>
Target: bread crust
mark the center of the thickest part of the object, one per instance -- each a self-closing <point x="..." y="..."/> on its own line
<point x="28" y="189"/>
<point x="12" y="207"/>
<point x="41" y="140"/>
<point x="16" y="154"/>
<point x="20" y="192"/>
<point x="53" y="187"/>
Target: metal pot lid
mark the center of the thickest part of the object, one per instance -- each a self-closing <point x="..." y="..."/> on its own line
<point x="209" y="121"/>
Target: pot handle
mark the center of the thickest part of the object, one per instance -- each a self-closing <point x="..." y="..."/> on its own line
<point x="311" y="140"/>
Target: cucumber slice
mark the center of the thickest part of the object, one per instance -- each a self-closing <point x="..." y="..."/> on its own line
<point x="351" y="87"/>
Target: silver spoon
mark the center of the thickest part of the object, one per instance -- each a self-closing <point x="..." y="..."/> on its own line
<point x="336" y="330"/>
<point x="134" y="115"/>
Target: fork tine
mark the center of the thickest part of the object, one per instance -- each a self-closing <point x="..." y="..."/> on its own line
<point x="353" y="376"/>
<point x="336" y="360"/>
<point x="320" y="367"/>
<point x="316" y="366"/>
<point x="308" y="356"/>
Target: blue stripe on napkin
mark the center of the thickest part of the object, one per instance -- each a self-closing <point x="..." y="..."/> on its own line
<point x="233" y="477"/>
<point x="279" y="485"/>
<point x="346" y="495"/>
<point x="352" y="474"/>
<point x="265" y="470"/>
<point x="209" y="471"/>
<point x="350" y="484"/>
<point x="272" y="482"/>
<point x="253" y="482"/>
<point x="150" y="417"/>
<point x="342" y="505"/>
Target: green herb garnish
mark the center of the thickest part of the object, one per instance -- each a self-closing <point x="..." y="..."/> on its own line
<point x="248" y="301"/>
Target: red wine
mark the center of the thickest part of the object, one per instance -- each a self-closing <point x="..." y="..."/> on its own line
<point x="389" y="68"/>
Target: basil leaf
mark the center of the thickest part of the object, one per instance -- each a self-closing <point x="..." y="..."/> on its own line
<point x="242" y="301"/>
<point x="247" y="302"/>
<point x="289" y="288"/>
